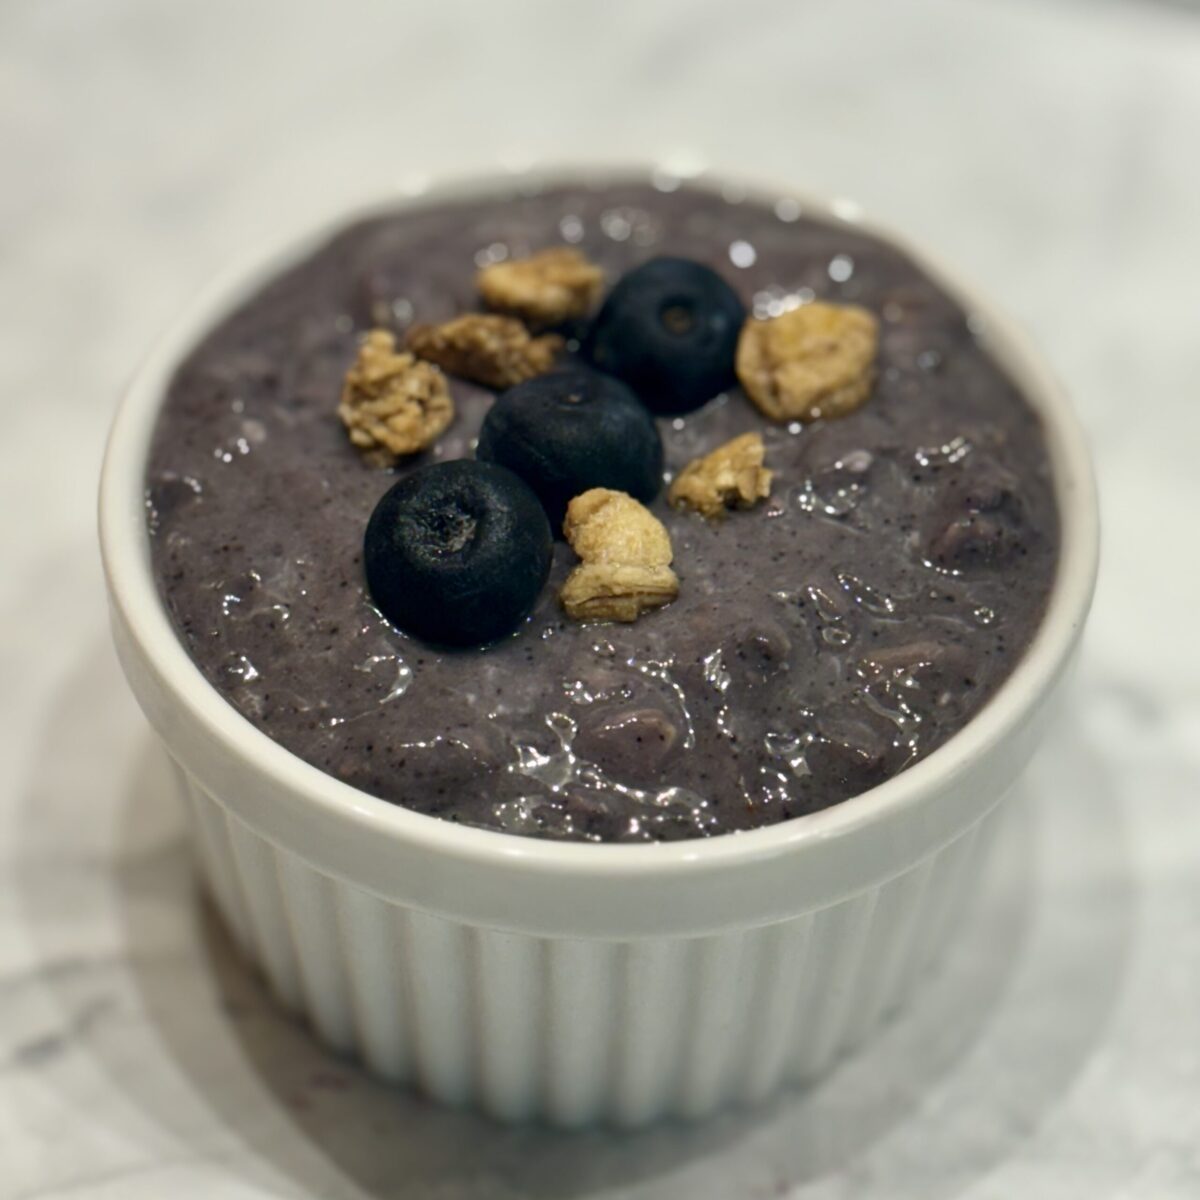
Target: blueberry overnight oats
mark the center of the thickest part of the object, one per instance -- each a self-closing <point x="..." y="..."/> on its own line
<point x="756" y="524"/>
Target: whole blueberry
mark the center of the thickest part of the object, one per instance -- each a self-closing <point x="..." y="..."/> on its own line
<point x="567" y="432"/>
<point x="669" y="329"/>
<point x="457" y="552"/>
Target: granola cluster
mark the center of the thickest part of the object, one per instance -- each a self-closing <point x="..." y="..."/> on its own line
<point x="495" y="351"/>
<point x="392" y="404"/>
<point x="626" y="559"/>
<point x="547" y="288"/>
<point x="816" y="361"/>
<point x="731" y="476"/>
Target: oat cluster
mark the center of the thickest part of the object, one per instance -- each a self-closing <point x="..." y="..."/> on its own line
<point x="626" y="559"/>
<point x="495" y="351"/>
<point x="393" y="404"/>
<point x="547" y="288"/>
<point x="816" y="361"/>
<point x="731" y="476"/>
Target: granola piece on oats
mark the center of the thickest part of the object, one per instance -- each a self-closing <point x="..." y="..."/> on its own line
<point x="731" y="476"/>
<point x="495" y="351"/>
<point x="546" y="288"/>
<point x="626" y="556"/>
<point x="392" y="404"/>
<point x="815" y="361"/>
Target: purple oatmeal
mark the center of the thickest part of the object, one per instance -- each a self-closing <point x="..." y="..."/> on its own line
<point x="822" y="640"/>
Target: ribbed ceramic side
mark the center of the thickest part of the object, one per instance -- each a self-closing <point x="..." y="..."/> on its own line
<point x="576" y="1031"/>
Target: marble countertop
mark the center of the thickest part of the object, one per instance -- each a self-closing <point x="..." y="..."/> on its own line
<point x="1048" y="148"/>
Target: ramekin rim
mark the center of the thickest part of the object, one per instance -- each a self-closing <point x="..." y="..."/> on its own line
<point x="133" y="591"/>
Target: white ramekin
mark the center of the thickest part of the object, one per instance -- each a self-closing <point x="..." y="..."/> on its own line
<point x="581" y="983"/>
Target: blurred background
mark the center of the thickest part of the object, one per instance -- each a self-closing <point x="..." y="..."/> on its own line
<point x="1048" y="148"/>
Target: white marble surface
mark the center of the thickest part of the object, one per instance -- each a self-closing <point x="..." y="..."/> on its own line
<point x="1049" y="148"/>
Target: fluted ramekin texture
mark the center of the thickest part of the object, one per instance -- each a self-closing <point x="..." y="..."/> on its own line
<point x="568" y="981"/>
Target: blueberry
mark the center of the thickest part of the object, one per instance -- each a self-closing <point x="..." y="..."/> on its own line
<point x="757" y="651"/>
<point x="631" y="745"/>
<point x="980" y="521"/>
<point x="669" y="329"/>
<point x="849" y="756"/>
<point x="931" y="664"/>
<point x="976" y="540"/>
<point x="570" y="431"/>
<point x="457" y="552"/>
